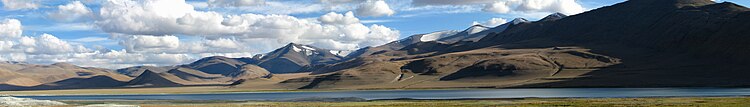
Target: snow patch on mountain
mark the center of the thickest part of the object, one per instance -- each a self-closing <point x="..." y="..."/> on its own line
<point x="476" y="29"/>
<point x="341" y="53"/>
<point x="437" y="35"/>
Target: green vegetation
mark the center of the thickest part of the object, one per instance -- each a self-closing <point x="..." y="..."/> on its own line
<point x="526" y="102"/>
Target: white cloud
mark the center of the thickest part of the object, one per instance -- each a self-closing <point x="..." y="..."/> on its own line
<point x="173" y="45"/>
<point x="235" y="3"/>
<point x="10" y="28"/>
<point x="374" y="8"/>
<point x="497" y="7"/>
<point x="223" y="43"/>
<point x="509" y="6"/>
<point x="151" y="18"/>
<point x="148" y="17"/>
<point x="48" y="44"/>
<point x="20" y="4"/>
<point x="46" y="49"/>
<point x="147" y="30"/>
<point x="569" y="7"/>
<point x="492" y="22"/>
<point x="70" y="12"/>
<point x="283" y="7"/>
<point x="137" y="43"/>
<point x="335" y="18"/>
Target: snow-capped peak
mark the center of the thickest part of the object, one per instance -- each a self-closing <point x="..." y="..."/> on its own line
<point x="519" y="21"/>
<point x="437" y="35"/>
<point x="476" y="29"/>
<point x="554" y="16"/>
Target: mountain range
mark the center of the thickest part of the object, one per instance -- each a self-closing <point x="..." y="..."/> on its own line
<point x="636" y="43"/>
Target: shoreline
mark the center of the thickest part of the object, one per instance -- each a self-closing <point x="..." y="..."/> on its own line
<point x="72" y="92"/>
<point x="671" y="101"/>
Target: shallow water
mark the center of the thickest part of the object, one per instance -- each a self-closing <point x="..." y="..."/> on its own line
<point x="430" y="94"/>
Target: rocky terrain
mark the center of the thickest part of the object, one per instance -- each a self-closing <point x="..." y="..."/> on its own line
<point x="637" y="43"/>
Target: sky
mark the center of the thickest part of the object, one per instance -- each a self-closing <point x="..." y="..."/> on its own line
<point x="122" y="33"/>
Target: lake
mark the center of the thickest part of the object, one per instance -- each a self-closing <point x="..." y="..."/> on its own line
<point x="431" y="94"/>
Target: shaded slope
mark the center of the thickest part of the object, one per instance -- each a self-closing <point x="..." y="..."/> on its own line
<point x="218" y="65"/>
<point x="293" y="57"/>
<point x="152" y="79"/>
<point x="193" y="75"/>
<point x="662" y="43"/>
<point x="638" y="43"/>
<point x="137" y="70"/>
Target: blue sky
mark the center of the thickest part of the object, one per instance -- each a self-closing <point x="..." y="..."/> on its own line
<point x="91" y="35"/>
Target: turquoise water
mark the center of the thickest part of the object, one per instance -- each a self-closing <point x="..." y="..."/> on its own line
<point x="431" y="94"/>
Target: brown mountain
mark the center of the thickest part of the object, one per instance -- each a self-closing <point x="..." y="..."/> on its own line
<point x="137" y="70"/>
<point x="218" y="65"/>
<point x="637" y="43"/>
<point x="22" y="76"/>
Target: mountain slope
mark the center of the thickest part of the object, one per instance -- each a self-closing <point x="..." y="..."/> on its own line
<point x="217" y="65"/>
<point x="661" y="42"/>
<point x="195" y="75"/>
<point x="137" y="70"/>
<point x="637" y="43"/>
<point x="152" y="79"/>
<point x="293" y="57"/>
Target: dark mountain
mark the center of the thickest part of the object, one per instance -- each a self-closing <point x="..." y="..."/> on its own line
<point x="218" y="65"/>
<point x="660" y="42"/>
<point x="553" y="17"/>
<point x="152" y="79"/>
<point x="472" y="33"/>
<point x="137" y="70"/>
<point x="194" y="75"/>
<point x="396" y="45"/>
<point x="437" y="40"/>
<point x="637" y="43"/>
<point x="292" y="57"/>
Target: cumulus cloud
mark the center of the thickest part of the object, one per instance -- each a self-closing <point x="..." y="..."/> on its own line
<point x="497" y="7"/>
<point x="177" y="17"/>
<point x="150" y="43"/>
<point x="10" y="28"/>
<point x="562" y="6"/>
<point x="20" y="4"/>
<point x="278" y="7"/>
<point x="508" y="6"/>
<point x="492" y="22"/>
<point x="47" y="48"/>
<point x="70" y="12"/>
<point x="170" y="32"/>
<point x="374" y="8"/>
<point x="335" y="18"/>
<point x="48" y="44"/>
<point x="235" y="3"/>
